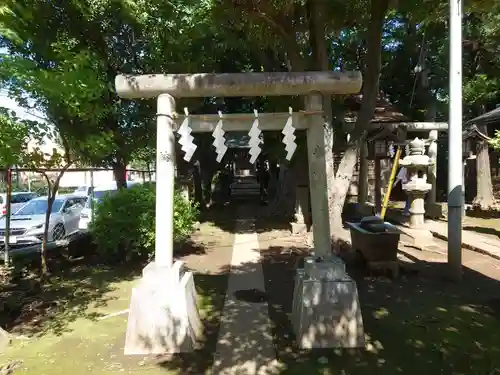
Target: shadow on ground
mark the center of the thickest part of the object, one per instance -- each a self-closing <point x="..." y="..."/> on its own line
<point x="223" y="218"/>
<point x="482" y="230"/>
<point x="417" y="323"/>
<point x="483" y="214"/>
<point x="30" y="306"/>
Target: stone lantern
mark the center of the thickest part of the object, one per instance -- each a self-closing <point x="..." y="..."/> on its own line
<point x="417" y="164"/>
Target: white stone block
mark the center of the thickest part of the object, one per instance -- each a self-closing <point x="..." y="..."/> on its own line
<point x="330" y="269"/>
<point x="326" y="312"/>
<point x="163" y="315"/>
<point x="195" y="324"/>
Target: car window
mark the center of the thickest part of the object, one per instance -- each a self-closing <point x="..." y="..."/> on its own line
<point x="68" y="204"/>
<point x="80" y="201"/>
<point x="20" y="198"/>
<point x="15" y="198"/>
<point x="38" y="207"/>
<point x="74" y="203"/>
<point x="1" y="199"/>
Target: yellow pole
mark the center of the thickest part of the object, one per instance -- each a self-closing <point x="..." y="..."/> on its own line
<point x="391" y="182"/>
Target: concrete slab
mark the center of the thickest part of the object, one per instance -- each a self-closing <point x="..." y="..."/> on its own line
<point x="477" y="242"/>
<point x="245" y="344"/>
<point x="163" y="315"/>
<point x="326" y="310"/>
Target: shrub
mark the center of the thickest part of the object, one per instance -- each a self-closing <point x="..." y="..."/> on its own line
<point x="124" y="223"/>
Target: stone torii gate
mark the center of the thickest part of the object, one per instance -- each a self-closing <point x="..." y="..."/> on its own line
<point x="163" y="316"/>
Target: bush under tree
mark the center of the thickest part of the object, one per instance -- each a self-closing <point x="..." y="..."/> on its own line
<point x="123" y="227"/>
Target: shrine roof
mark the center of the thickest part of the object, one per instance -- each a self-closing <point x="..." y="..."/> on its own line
<point x="487" y="118"/>
<point x="474" y="132"/>
<point x="385" y="112"/>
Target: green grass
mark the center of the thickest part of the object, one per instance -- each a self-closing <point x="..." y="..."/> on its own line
<point x="413" y="326"/>
<point x="458" y="340"/>
<point x="66" y="335"/>
<point x="425" y="335"/>
<point x="70" y="338"/>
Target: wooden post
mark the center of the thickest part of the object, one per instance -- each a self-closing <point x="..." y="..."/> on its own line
<point x="391" y="182"/>
<point x="363" y="174"/>
<point x="8" y="198"/>
<point x="92" y="194"/>
<point x="378" y="191"/>
<point x="432" y="153"/>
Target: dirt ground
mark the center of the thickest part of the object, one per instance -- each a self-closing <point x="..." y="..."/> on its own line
<point x="71" y="328"/>
<point x="414" y="324"/>
<point x="417" y="323"/>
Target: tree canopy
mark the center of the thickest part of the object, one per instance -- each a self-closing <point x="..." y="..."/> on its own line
<point x="65" y="61"/>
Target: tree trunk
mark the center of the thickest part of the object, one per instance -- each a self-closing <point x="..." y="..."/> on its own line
<point x="43" y="251"/>
<point x="198" y="188"/>
<point x="8" y="199"/>
<point x="148" y="167"/>
<point x="484" y="198"/>
<point x="370" y="93"/>
<point x="496" y="163"/>
<point x="120" y="174"/>
<point x="51" y="195"/>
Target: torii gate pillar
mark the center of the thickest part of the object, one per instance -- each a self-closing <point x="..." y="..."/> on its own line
<point x="163" y="316"/>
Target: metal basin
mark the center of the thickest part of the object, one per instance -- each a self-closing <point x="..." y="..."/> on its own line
<point x="380" y="246"/>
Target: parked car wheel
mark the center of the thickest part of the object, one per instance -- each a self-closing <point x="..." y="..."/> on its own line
<point x="58" y="233"/>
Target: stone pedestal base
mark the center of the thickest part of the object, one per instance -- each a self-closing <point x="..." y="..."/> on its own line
<point x="419" y="238"/>
<point x="434" y="211"/>
<point x="326" y="311"/>
<point x="163" y="316"/>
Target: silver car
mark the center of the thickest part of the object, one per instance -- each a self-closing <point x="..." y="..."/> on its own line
<point x="27" y="224"/>
<point x="17" y="200"/>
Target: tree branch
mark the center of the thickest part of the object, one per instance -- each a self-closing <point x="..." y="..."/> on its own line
<point x="59" y="176"/>
<point x="371" y="76"/>
<point x="67" y="151"/>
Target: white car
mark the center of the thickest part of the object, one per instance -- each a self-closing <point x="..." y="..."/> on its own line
<point x="99" y="193"/>
<point x="27" y="224"/>
<point x="17" y="200"/>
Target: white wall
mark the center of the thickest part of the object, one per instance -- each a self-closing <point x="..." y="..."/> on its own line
<point x="71" y="179"/>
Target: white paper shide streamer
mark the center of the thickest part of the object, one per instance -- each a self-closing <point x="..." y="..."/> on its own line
<point x="219" y="140"/>
<point x="255" y="140"/>
<point x="289" y="137"/>
<point x="186" y="139"/>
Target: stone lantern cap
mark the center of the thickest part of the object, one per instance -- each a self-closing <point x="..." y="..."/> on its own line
<point x="416" y="158"/>
<point x="417" y="186"/>
<point x="417" y="161"/>
<point x="417" y="146"/>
